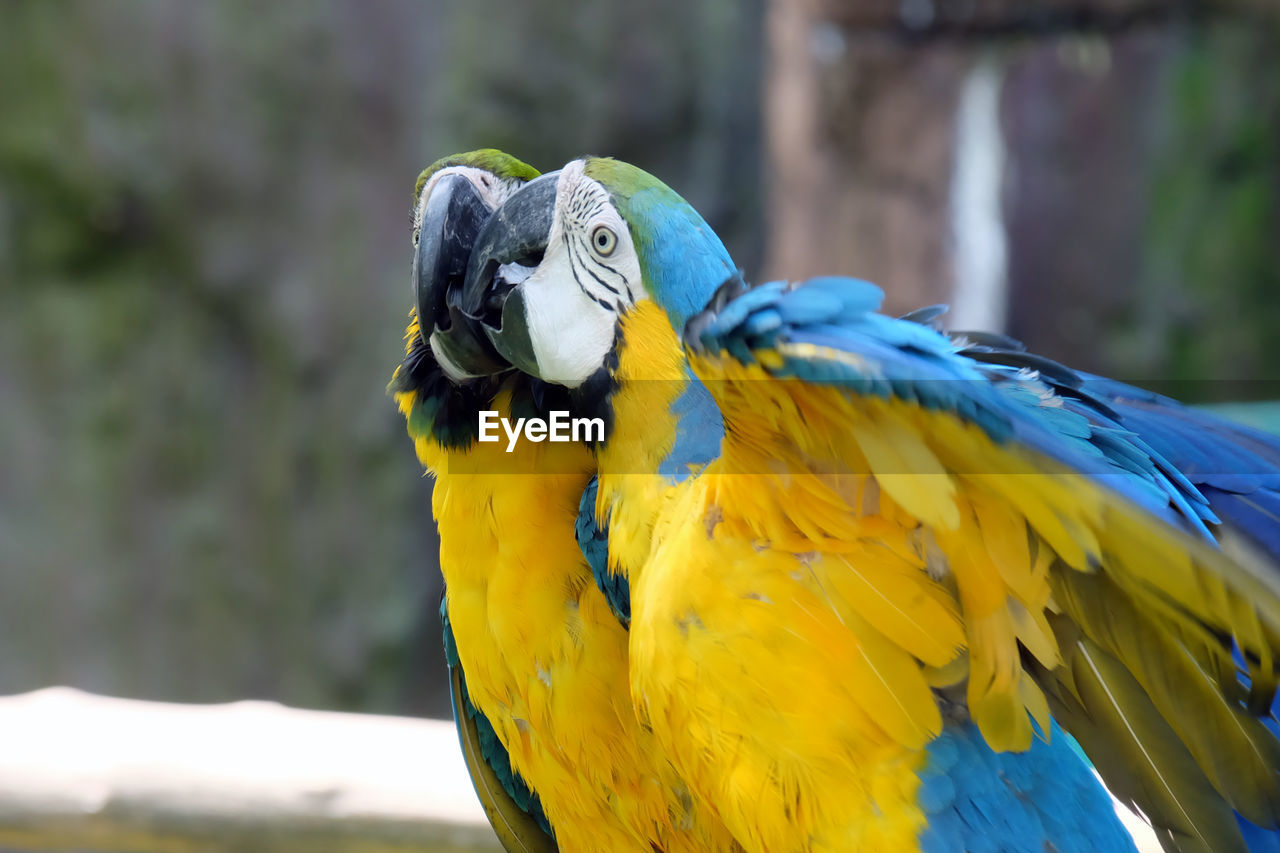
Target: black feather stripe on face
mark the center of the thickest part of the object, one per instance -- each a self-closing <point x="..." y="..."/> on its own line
<point x="454" y="409"/>
<point x="594" y="397"/>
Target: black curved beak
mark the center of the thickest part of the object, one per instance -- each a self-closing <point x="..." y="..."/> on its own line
<point x="516" y="233"/>
<point x="453" y="218"/>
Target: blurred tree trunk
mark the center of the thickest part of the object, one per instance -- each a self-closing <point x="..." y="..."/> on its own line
<point x="859" y="130"/>
<point x="1133" y="161"/>
<point x="204" y="278"/>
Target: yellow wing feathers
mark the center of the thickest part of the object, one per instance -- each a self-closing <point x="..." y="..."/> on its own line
<point x="902" y="550"/>
<point x="544" y="656"/>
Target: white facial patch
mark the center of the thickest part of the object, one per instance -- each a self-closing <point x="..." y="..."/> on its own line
<point x="587" y="278"/>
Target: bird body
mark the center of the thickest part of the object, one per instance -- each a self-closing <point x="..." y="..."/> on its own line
<point x="540" y="658"/>
<point x="810" y="634"/>
<point x="866" y="577"/>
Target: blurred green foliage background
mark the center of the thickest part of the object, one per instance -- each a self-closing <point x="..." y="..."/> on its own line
<point x="204" y="277"/>
<point x="205" y="493"/>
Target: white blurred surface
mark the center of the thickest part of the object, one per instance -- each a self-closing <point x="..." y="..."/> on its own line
<point x="81" y="766"/>
<point x="79" y="770"/>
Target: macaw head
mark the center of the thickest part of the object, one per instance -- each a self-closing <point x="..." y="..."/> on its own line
<point x="453" y="199"/>
<point x="450" y="367"/>
<point x="565" y="260"/>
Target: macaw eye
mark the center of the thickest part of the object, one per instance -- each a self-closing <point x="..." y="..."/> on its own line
<point x="603" y="240"/>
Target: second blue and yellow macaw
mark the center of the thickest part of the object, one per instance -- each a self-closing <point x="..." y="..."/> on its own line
<point x="537" y="656"/>
<point x="866" y="572"/>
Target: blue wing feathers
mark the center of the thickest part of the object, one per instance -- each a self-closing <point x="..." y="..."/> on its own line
<point x="762" y="322"/>
<point x="1235" y="468"/>
<point x="737" y="311"/>
<point x="1257" y="514"/>
<point x="1097" y="426"/>
<point x="1257" y="839"/>
<point x="593" y="540"/>
<point x="817" y="306"/>
<point x="1044" y="798"/>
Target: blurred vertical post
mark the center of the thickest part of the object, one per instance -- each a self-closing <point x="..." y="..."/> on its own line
<point x="860" y="130"/>
<point x="1096" y="177"/>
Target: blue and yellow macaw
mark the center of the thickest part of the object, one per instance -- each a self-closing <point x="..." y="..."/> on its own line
<point x="537" y="657"/>
<point x="870" y="572"/>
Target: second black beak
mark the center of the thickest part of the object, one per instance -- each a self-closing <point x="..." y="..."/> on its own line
<point x="453" y="217"/>
<point x="516" y="234"/>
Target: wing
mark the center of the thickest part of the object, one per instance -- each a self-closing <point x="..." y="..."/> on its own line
<point x="1068" y="555"/>
<point x="1234" y="468"/>
<point x="514" y="811"/>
